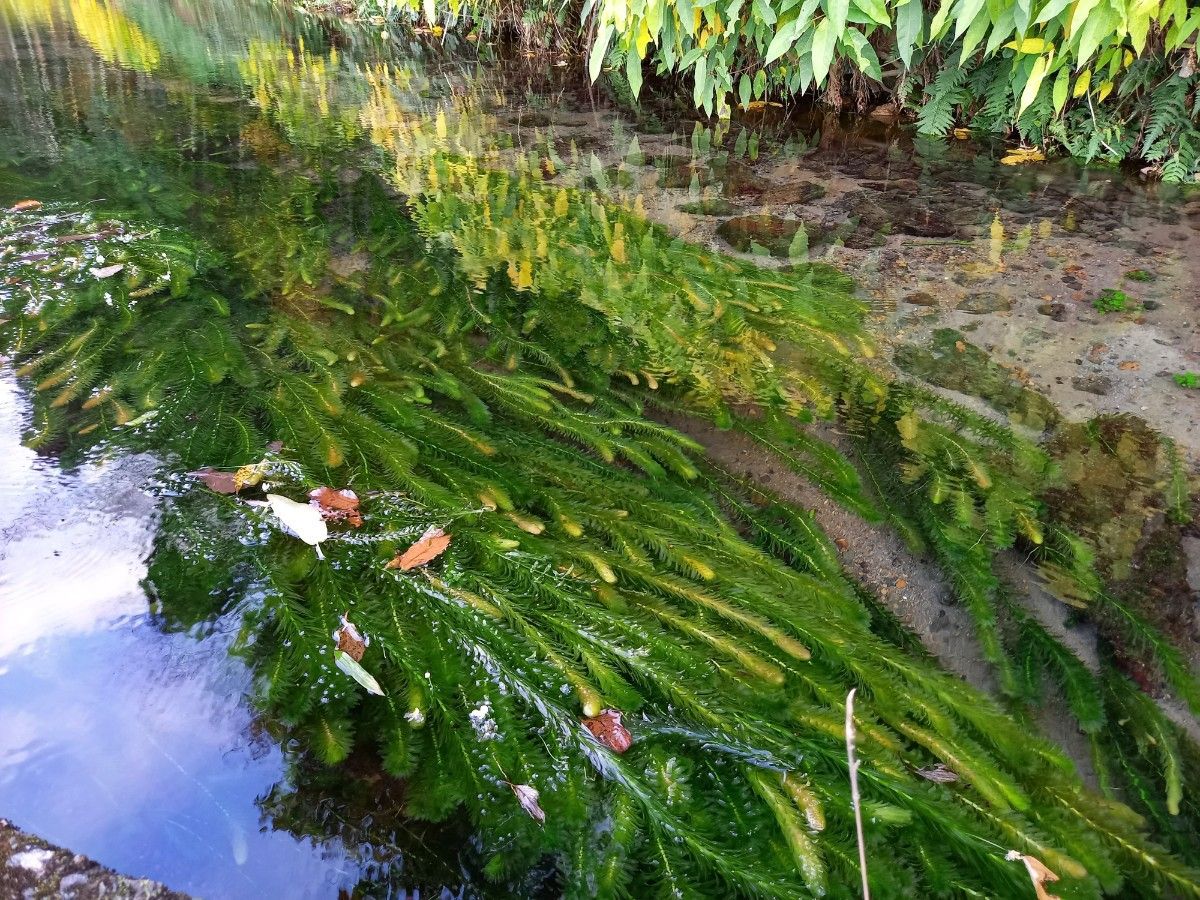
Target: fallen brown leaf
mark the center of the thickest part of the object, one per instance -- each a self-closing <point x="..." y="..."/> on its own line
<point x="1038" y="874"/>
<point x="433" y="543"/>
<point x="901" y="583"/>
<point x="528" y="798"/>
<point x="221" y="482"/>
<point x="608" y="730"/>
<point x="25" y="205"/>
<point x="939" y="774"/>
<point x="1129" y="366"/>
<point x="337" y="506"/>
<point x="350" y="640"/>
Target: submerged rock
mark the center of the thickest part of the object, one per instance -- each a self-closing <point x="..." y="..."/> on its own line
<point x="953" y="363"/>
<point x="34" y="869"/>
<point x="1099" y="385"/>
<point x="1056" y="311"/>
<point x="921" y="298"/>
<point x="774" y="235"/>
<point x="711" y="206"/>
<point x="983" y="302"/>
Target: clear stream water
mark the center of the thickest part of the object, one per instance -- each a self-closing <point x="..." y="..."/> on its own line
<point x="127" y="734"/>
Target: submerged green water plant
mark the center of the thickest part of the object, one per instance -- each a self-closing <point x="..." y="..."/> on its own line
<point x="480" y="357"/>
<point x="589" y="569"/>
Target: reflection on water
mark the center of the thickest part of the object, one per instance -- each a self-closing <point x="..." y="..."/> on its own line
<point x="121" y="742"/>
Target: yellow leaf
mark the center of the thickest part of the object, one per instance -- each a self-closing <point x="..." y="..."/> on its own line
<point x="962" y="133"/>
<point x="1105" y="89"/>
<point x="1028" y="45"/>
<point x="1023" y="155"/>
<point x="1081" y="83"/>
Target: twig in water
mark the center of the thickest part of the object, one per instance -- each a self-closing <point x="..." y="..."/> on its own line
<point x="854" y="799"/>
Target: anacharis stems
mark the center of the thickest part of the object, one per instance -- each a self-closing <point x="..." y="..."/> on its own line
<point x="862" y="847"/>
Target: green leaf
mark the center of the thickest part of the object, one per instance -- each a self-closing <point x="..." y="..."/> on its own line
<point x="835" y="12"/>
<point x="939" y="19"/>
<point x="875" y="10"/>
<point x="599" y="50"/>
<point x="764" y="13"/>
<point x="783" y="40"/>
<point x="967" y="13"/>
<point x="824" y="40"/>
<point x="974" y="35"/>
<point x="633" y="72"/>
<point x="864" y="54"/>
<point x="1050" y="10"/>
<point x="351" y="667"/>
<point x="700" y="91"/>
<point x="909" y="20"/>
<point x="1036" y="74"/>
<point x="1061" y="85"/>
<point x="760" y="84"/>
<point x="744" y="90"/>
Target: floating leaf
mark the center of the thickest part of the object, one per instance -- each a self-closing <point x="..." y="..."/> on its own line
<point x="350" y="640"/>
<point x="25" y="205"/>
<point x="337" y="506"/>
<point x="608" y="730"/>
<point x="1038" y="874"/>
<point x="528" y="798"/>
<point x="939" y="774"/>
<point x="303" y="520"/>
<point x="351" y="667"/>
<point x="1023" y="155"/>
<point x="433" y="543"/>
<point x="107" y="271"/>
<point x="250" y="476"/>
<point x="221" y="482"/>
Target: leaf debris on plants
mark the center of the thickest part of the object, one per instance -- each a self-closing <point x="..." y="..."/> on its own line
<point x="432" y="544"/>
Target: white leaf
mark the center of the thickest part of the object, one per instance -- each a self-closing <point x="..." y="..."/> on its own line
<point x="347" y="664"/>
<point x="528" y="798"/>
<point x="303" y="520"/>
<point x="107" y="271"/>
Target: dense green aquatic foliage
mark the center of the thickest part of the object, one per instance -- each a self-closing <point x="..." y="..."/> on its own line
<point x="480" y="355"/>
<point x="572" y="583"/>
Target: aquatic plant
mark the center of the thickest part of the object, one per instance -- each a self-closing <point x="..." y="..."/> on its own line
<point x="589" y="569"/>
<point x="1187" y="379"/>
<point x="460" y="363"/>
<point x="1114" y="300"/>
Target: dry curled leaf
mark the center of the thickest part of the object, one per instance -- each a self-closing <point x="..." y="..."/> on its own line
<point x="221" y="482"/>
<point x="608" y="730"/>
<point x="962" y="134"/>
<point x="939" y="774"/>
<point x="25" y="205"/>
<point x="528" y="798"/>
<point x="337" y="506"/>
<point x="1038" y="874"/>
<point x="350" y="640"/>
<point x="1130" y="365"/>
<point x="433" y="543"/>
